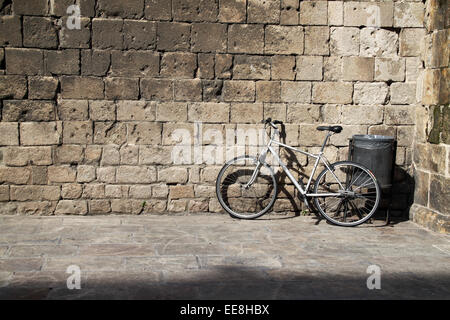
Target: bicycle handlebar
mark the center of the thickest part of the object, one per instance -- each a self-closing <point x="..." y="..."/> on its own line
<point x="272" y="123"/>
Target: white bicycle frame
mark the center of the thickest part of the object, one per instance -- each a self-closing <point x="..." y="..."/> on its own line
<point x="319" y="158"/>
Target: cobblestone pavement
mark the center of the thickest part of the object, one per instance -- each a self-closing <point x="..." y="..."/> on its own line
<point x="217" y="257"/>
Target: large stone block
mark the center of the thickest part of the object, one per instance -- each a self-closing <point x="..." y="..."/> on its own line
<point x="251" y="67"/>
<point x="303" y="113"/>
<point x="39" y="32"/>
<point x="110" y="133"/>
<point x="268" y="91"/>
<point x="209" y="37"/>
<point x="144" y="133"/>
<point x="173" y="36"/>
<point x="223" y="66"/>
<point x="107" y="34"/>
<point x="295" y="91"/>
<point x="439" y="193"/>
<point x="209" y="112"/>
<point x="135" y="63"/>
<point x="22" y="156"/>
<point x="399" y="115"/>
<point x="188" y="90"/>
<point x="335" y="13"/>
<point x="40" y="133"/>
<point x="155" y="155"/>
<point x="309" y="68"/>
<point x="95" y="62"/>
<point x="61" y="174"/>
<point x="28" y="110"/>
<point x="30" y="8"/>
<point x="263" y="11"/>
<point x="358" y="69"/>
<point x="370" y="93"/>
<point x="362" y="115"/>
<point x="14" y="175"/>
<point x="332" y="92"/>
<point x="370" y="14"/>
<point x="410" y="42"/>
<point x="129" y="154"/>
<point x="63" y="62"/>
<point x="376" y="42"/>
<point x="77" y="132"/>
<point x="72" y="207"/>
<point x="284" y="40"/>
<point x="118" y="8"/>
<point x="390" y="69"/>
<point x="195" y="10"/>
<point x="68" y="154"/>
<point x="158" y="9"/>
<point x="74" y="87"/>
<point x="409" y="14"/>
<point x="139" y="35"/>
<point x="121" y="88"/>
<point x="173" y="175"/>
<point x="239" y="91"/>
<point x="178" y="65"/>
<point x="10" y="31"/>
<point x="13" y="87"/>
<point x="289" y="12"/>
<point x="246" y="113"/>
<point x="317" y="40"/>
<point x="100" y="110"/>
<point x="131" y="174"/>
<point x="344" y="41"/>
<point x="205" y="66"/>
<point x="9" y="134"/>
<point x="246" y="38"/>
<point x="232" y="11"/>
<point x="283" y="67"/>
<point x="174" y="111"/>
<point x="313" y="12"/>
<point x="24" y="61"/>
<point x="180" y="192"/>
<point x="69" y="110"/>
<point x="136" y="111"/>
<point x="156" y="89"/>
<point x="403" y="93"/>
<point x="75" y="38"/>
<point x="42" y="88"/>
<point x="27" y="193"/>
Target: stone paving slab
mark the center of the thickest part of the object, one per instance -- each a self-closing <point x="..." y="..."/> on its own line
<point x="217" y="257"/>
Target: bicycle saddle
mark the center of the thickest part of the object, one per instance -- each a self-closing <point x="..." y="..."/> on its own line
<point x="335" y="129"/>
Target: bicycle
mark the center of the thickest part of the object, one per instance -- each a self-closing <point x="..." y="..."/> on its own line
<point x="345" y="193"/>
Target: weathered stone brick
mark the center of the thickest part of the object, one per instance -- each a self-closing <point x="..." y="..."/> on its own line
<point x="205" y="66"/>
<point x="172" y="111"/>
<point x="72" y="207"/>
<point x="144" y="133"/>
<point x="28" y="110"/>
<point x="33" y="8"/>
<point x="332" y="92"/>
<point x="332" y="68"/>
<point x="284" y="39"/>
<point x="405" y="136"/>
<point x="100" y="110"/>
<point x="209" y="37"/>
<point x="4" y="193"/>
<point x="309" y="67"/>
<point x="135" y="63"/>
<point x="28" y="62"/>
<point x="389" y="69"/>
<point x="399" y="115"/>
<point x="110" y="155"/>
<point x="435" y="51"/>
<point x="39" y="32"/>
<point x="439" y="193"/>
<point x="403" y="93"/>
<point x="119" y="8"/>
<point x="268" y="91"/>
<point x="92" y="154"/>
<point x="344" y="41"/>
<point x="140" y="192"/>
<point x="14" y="87"/>
<point x="14" y="175"/>
<point x="313" y="13"/>
<point x="370" y="93"/>
<point x="99" y="206"/>
<point x="263" y="11"/>
<point x="95" y="62"/>
<point x="75" y="38"/>
<point x="378" y="43"/>
<point x="61" y="62"/>
<point x="107" y="34"/>
<point x="27" y="193"/>
<point x="41" y="88"/>
<point x="121" y="88"/>
<point x="10" y="31"/>
<point x="246" y="113"/>
<point x="246" y="38"/>
<point x="155" y="155"/>
<point x="283" y="67"/>
<point x="85" y="173"/>
<point x="251" y="67"/>
<point x="188" y="90"/>
<point x="370" y="14"/>
<point x="68" y="154"/>
<point x="275" y="111"/>
<point x="239" y="91"/>
<point x="60" y="174"/>
<point x="317" y="40"/>
<point x="409" y="14"/>
<point x="139" y="35"/>
<point x="39" y="175"/>
<point x="223" y="66"/>
<point x="289" y="12"/>
<point x="180" y="192"/>
<point x="212" y="90"/>
<point x="40" y="133"/>
<point x="195" y="10"/>
<point x="156" y="89"/>
<point x="69" y="110"/>
<point x="209" y="112"/>
<point x="77" y="132"/>
<point x="335" y="13"/>
<point x="22" y="156"/>
<point x="303" y="113"/>
<point x="295" y="91"/>
<point x="158" y="9"/>
<point x="362" y="114"/>
<point x="93" y="191"/>
<point x="160" y="191"/>
<point x="142" y="174"/>
<point x="106" y="175"/>
<point x="73" y="87"/>
<point x="232" y="11"/>
<point x="129" y="154"/>
<point x="173" y="36"/>
<point x="358" y="69"/>
<point x="136" y="110"/>
<point x="110" y="133"/>
<point x="173" y="175"/>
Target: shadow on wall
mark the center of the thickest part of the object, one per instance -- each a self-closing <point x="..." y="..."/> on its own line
<point x="235" y="283"/>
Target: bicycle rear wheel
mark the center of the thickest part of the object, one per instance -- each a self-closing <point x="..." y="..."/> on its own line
<point x="356" y="198"/>
<point x="239" y="195"/>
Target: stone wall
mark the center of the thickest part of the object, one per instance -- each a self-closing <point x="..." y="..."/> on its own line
<point x="432" y="139"/>
<point x="88" y="114"/>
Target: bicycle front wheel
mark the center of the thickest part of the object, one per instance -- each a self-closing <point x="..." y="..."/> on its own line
<point x="245" y="188"/>
<point x="351" y="194"/>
